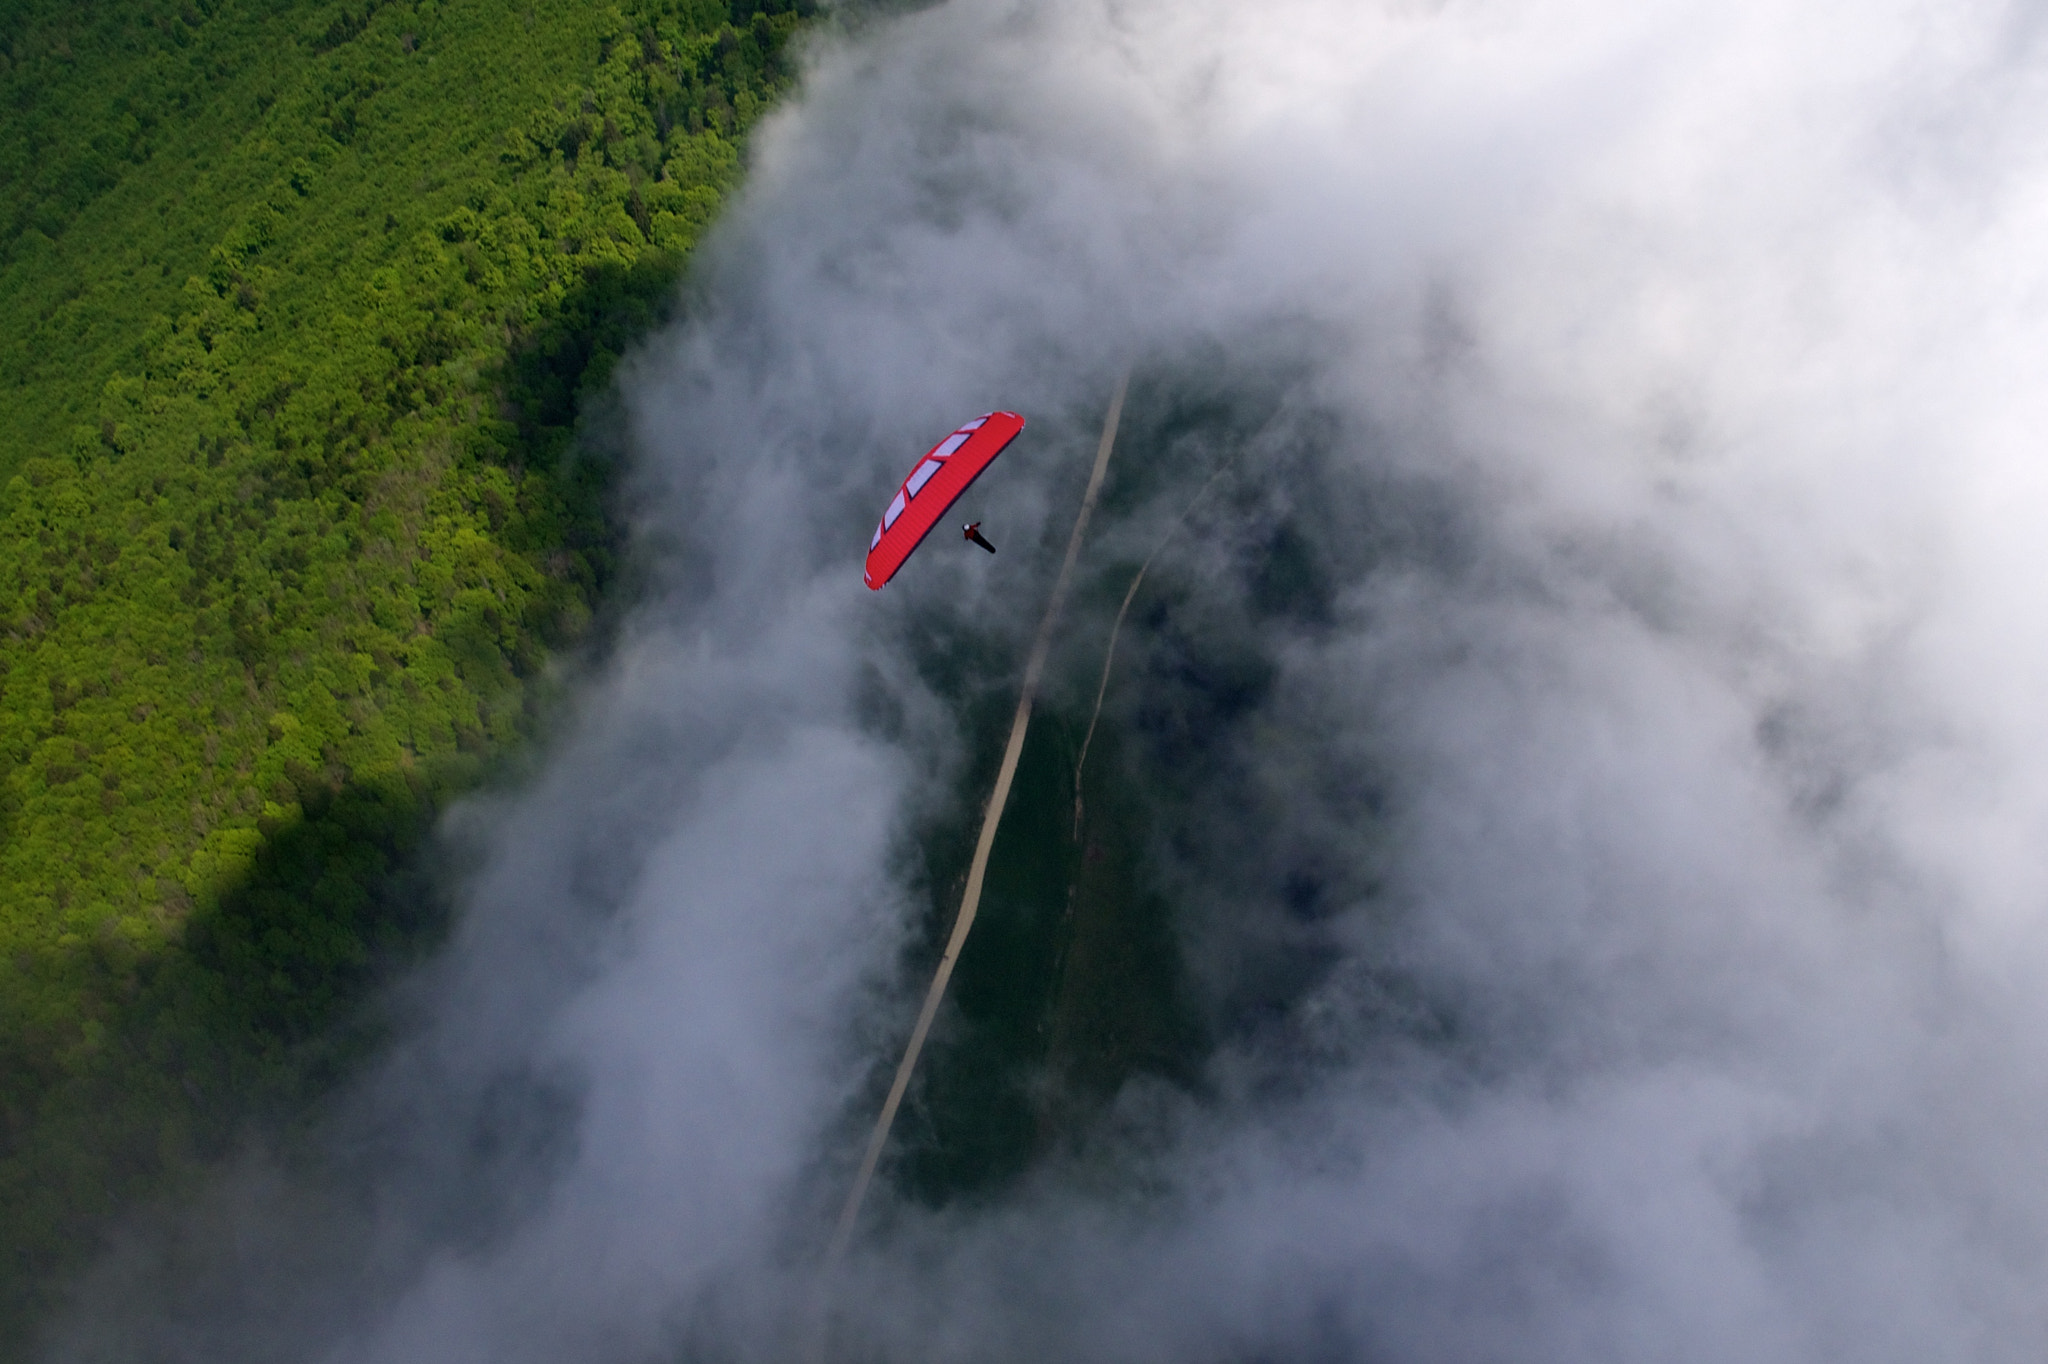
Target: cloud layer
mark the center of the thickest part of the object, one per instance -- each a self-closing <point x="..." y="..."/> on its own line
<point x="1587" y="749"/>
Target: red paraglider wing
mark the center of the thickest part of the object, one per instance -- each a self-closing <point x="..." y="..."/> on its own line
<point x="935" y="483"/>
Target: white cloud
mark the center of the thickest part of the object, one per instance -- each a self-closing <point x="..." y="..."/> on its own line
<point x="1614" y="892"/>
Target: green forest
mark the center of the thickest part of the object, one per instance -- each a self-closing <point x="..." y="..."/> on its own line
<point x="299" y="306"/>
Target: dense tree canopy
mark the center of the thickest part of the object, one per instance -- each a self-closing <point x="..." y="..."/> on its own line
<point x="299" y="304"/>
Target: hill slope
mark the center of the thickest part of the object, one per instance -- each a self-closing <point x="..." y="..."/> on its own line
<point x="298" y="303"/>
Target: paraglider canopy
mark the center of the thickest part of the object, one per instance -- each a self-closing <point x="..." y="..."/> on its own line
<point x="934" y="484"/>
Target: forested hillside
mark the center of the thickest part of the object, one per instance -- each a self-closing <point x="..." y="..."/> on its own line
<point x="299" y="304"/>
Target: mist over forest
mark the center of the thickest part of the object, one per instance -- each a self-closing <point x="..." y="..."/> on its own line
<point x="1557" y="869"/>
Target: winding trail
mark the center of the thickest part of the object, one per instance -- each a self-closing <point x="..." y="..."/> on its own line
<point x="1109" y="654"/>
<point x="970" y="902"/>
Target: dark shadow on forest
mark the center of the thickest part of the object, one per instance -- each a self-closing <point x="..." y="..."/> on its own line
<point x="234" y="1032"/>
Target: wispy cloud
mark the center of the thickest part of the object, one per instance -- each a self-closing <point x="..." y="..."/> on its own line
<point x="1592" y="756"/>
